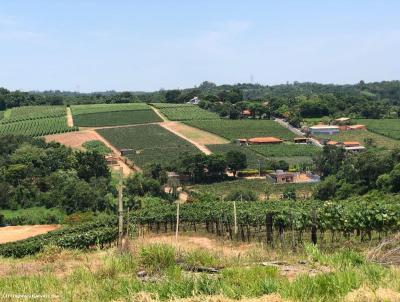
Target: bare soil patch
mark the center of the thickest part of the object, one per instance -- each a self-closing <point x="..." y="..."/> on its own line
<point x="75" y="140"/>
<point x="15" y="233"/>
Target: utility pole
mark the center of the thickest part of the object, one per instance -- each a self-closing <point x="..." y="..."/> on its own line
<point x="120" y="210"/>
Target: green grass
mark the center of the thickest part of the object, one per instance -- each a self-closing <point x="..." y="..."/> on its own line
<point x="1" y="115"/>
<point x="184" y="112"/>
<point x="255" y="185"/>
<point x="97" y="146"/>
<point x="234" y="129"/>
<point x="385" y="127"/>
<point x="116" y="118"/>
<point x="35" y="215"/>
<point x="379" y="141"/>
<point x="152" y="143"/>
<point x="114" y="278"/>
<point x="98" y="108"/>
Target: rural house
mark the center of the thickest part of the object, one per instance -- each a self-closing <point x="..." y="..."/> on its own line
<point x="324" y="129"/>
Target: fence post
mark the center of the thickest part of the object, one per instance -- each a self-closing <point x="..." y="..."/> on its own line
<point x="314" y="227"/>
<point x="268" y="222"/>
<point x="120" y="210"/>
<point x="177" y="221"/>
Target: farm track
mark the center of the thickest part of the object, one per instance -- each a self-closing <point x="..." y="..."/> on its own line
<point x="201" y="147"/>
<point x="164" y="118"/>
<point x="70" y="119"/>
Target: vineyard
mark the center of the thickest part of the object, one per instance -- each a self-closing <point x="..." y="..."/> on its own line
<point x="151" y="143"/>
<point x="184" y="112"/>
<point x="293" y="222"/>
<point x="84" y="236"/>
<point x="286" y="150"/>
<point x="37" y="127"/>
<point x="99" y="115"/>
<point x="32" y="113"/>
<point x="234" y="129"/>
<point x="385" y="127"/>
<point x="362" y="136"/>
<point x="257" y="186"/>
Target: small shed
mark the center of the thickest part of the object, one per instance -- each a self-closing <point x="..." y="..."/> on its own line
<point x="246" y="112"/>
<point x="324" y="129"/>
<point x="342" y="121"/>
<point x="301" y="140"/>
<point x="281" y="177"/>
<point x="126" y="151"/>
<point x="111" y="160"/>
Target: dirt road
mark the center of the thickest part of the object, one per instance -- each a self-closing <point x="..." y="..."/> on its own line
<point x="15" y="233"/>
<point x="70" y="119"/>
<point x="170" y="126"/>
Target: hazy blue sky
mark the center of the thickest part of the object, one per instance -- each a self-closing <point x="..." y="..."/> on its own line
<point x="147" y="45"/>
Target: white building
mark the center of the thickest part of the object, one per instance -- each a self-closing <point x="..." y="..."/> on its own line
<point x="324" y="129"/>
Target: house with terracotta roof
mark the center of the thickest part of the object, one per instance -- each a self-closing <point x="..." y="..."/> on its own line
<point x="341" y="121"/>
<point x="246" y="112"/>
<point x="264" y="140"/>
<point x="351" y="146"/>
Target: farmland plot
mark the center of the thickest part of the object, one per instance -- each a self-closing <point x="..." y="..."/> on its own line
<point x="184" y="112"/>
<point x="285" y="150"/>
<point x="31" y="113"/>
<point x="361" y="136"/>
<point x="151" y="143"/>
<point x="234" y="129"/>
<point x="385" y="127"/>
<point x="37" y="127"/>
<point x="99" y="115"/>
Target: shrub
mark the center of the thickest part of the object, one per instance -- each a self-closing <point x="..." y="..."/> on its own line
<point x="245" y="195"/>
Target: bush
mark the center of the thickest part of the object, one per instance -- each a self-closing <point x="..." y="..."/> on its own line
<point x="245" y="195"/>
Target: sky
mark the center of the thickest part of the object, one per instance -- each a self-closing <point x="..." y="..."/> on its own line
<point x="145" y="45"/>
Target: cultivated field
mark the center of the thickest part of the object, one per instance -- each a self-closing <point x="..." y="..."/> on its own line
<point x="184" y="112"/>
<point x="37" y="127"/>
<point x="257" y="186"/>
<point x="195" y="134"/>
<point x="234" y="129"/>
<point x="32" y="113"/>
<point x="151" y="143"/>
<point x="385" y="127"/>
<point x="378" y="141"/>
<point x="99" y="115"/>
<point x="285" y="150"/>
<point x="254" y="160"/>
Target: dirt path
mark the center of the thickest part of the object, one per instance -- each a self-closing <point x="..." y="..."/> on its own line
<point x="201" y="147"/>
<point x="15" y="233"/>
<point x="70" y="119"/>
<point x="164" y="118"/>
<point x="75" y="140"/>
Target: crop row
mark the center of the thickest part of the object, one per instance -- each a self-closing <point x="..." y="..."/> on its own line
<point x="97" y="108"/>
<point x="37" y="127"/>
<point x="234" y="129"/>
<point x="33" y="112"/>
<point x="386" y="127"/>
<point x="188" y="113"/>
<point x="151" y="143"/>
<point x="83" y="236"/>
<point x="116" y="118"/>
<point x="359" y="216"/>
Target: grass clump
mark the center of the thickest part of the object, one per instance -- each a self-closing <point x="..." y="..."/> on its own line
<point x="201" y="257"/>
<point x="157" y="257"/>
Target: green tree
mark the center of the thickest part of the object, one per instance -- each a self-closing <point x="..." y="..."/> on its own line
<point x="236" y="161"/>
